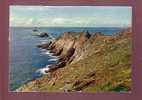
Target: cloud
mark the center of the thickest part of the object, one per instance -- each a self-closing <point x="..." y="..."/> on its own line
<point x="75" y="22"/>
<point x="59" y="20"/>
<point x="45" y="21"/>
<point x="68" y="16"/>
<point x="28" y="8"/>
<point x="65" y="21"/>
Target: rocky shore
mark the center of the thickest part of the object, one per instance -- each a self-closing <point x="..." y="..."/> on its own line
<point x="88" y="62"/>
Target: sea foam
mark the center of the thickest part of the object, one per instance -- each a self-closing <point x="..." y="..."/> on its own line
<point x="54" y="59"/>
<point x="44" y="41"/>
<point x="42" y="70"/>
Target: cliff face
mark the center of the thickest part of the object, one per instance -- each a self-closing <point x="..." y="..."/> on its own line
<point x="89" y="63"/>
<point x="84" y="44"/>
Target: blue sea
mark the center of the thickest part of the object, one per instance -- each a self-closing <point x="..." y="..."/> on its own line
<point x="26" y="59"/>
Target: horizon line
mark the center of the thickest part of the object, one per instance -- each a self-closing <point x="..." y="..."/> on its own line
<point x="71" y="26"/>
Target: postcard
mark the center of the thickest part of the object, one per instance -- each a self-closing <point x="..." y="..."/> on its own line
<point x="70" y="49"/>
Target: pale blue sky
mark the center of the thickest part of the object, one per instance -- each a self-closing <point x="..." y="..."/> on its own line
<point x="71" y="16"/>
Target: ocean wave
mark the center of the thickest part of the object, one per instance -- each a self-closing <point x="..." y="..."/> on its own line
<point x="42" y="70"/>
<point x="47" y="52"/>
<point x="50" y="54"/>
<point x="54" y="59"/>
<point x="43" y="50"/>
<point x="44" y="41"/>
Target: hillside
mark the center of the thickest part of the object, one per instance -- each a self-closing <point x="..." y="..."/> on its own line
<point x="87" y="63"/>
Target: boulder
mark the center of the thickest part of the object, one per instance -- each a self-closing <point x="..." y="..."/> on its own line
<point x="44" y="34"/>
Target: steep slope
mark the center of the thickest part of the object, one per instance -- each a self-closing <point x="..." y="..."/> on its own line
<point x="91" y="64"/>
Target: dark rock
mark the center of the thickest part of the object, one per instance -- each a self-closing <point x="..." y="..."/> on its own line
<point x="70" y="52"/>
<point x="51" y="47"/>
<point x="44" y="34"/>
<point x="71" y="59"/>
<point x="54" y="50"/>
<point x="85" y="35"/>
<point x="62" y="58"/>
<point x="44" y="46"/>
<point x="61" y="64"/>
<point x="55" y="67"/>
<point x="81" y="85"/>
<point x="67" y="56"/>
<point x="58" y="52"/>
<point x="51" y="68"/>
<point x="88" y="35"/>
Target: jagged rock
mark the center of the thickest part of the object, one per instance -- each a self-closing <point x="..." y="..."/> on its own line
<point x="55" y="67"/>
<point x="58" y="52"/>
<point x="83" y="84"/>
<point x="51" y="68"/>
<point x="62" y="58"/>
<point x="70" y="52"/>
<point x="61" y="64"/>
<point x="44" y="34"/>
<point x="71" y="48"/>
<point x="88" y="35"/>
<point x="54" y="50"/>
<point x="44" y="46"/>
<point x="84" y="35"/>
<point x="68" y="55"/>
<point x="71" y="59"/>
<point x="51" y="47"/>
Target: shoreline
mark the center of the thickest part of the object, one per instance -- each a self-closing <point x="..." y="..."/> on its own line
<point x="69" y="52"/>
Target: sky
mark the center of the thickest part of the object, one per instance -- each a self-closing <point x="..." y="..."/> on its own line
<point x="70" y="16"/>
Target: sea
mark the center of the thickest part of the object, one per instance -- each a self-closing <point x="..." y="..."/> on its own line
<point x="26" y="61"/>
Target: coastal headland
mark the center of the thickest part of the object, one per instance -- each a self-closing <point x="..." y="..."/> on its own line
<point x="87" y="63"/>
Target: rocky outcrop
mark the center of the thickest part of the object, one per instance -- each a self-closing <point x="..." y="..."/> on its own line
<point x="72" y="46"/>
<point x="43" y="34"/>
<point x="68" y="47"/>
<point x="88" y="62"/>
<point x="44" y="46"/>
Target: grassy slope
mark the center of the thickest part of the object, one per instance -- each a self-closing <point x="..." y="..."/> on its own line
<point x="107" y="70"/>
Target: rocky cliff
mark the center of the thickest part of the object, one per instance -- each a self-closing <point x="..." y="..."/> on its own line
<point x="87" y="63"/>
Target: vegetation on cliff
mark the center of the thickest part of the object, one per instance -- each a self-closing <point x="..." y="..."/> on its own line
<point x="87" y="63"/>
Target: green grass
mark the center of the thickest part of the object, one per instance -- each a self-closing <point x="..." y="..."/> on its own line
<point x="112" y="68"/>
